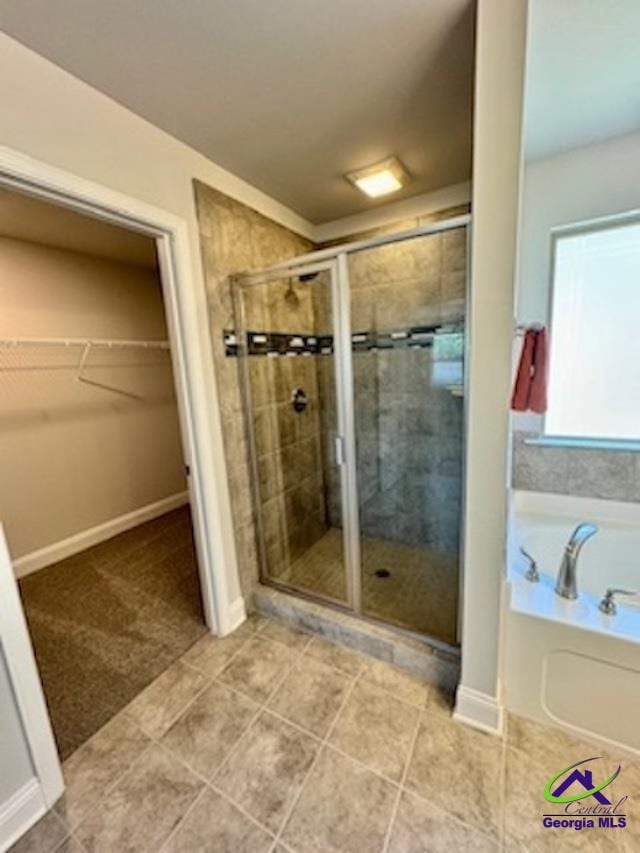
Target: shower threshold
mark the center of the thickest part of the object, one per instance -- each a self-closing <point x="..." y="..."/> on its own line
<point x="425" y="657"/>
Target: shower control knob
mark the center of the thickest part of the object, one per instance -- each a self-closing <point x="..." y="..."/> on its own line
<point x="299" y="400"/>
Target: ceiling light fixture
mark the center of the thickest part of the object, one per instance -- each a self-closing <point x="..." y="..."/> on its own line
<point x="380" y="179"/>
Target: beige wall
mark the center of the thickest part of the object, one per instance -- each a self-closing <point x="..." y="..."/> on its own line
<point x="574" y="186"/>
<point x="121" y="151"/>
<point x="42" y="110"/>
<point x="75" y="455"/>
<point x="406" y="223"/>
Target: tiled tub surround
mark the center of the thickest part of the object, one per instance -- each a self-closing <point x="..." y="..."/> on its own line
<point x="234" y="237"/>
<point x="583" y="472"/>
<point x="272" y="740"/>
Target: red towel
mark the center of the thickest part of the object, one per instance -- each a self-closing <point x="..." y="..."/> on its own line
<point x="538" y="393"/>
<point x="522" y="385"/>
<point x="530" y="387"/>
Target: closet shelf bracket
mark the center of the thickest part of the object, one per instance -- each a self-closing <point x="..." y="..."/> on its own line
<point x="83" y="361"/>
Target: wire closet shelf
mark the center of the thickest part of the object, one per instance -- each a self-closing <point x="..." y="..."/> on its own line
<point x="83" y="342"/>
<point x="86" y="346"/>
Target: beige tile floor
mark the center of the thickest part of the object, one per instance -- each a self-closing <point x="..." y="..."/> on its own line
<point x="420" y="594"/>
<point x="273" y="741"/>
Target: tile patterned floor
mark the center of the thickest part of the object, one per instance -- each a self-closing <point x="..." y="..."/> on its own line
<point x="273" y="741"/>
<point x="420" y="593"/>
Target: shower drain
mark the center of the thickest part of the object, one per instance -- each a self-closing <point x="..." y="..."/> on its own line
<point x="383" y="573"/>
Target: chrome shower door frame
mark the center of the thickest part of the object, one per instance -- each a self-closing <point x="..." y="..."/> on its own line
<point x="335" y="260"/>
<point x="345" y="437"/>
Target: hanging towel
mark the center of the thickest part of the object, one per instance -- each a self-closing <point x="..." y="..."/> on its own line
<point x="522" y="385"/>
<point x="538" y="393"/>
<point x="530" y="387"/>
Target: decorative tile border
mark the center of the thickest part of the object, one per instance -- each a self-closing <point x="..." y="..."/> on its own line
<point x="291" y="344"/>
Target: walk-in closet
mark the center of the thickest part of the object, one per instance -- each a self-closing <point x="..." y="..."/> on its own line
<point x="93" y="493"/>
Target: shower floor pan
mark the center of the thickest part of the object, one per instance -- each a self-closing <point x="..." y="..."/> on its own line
<point x="413" y="588"/>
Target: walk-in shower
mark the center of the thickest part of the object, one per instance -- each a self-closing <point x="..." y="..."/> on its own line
<point x="352" y="361"/>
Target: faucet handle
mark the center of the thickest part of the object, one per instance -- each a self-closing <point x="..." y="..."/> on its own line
<point x="532" y="574"/>
<point x="608" y="605"/>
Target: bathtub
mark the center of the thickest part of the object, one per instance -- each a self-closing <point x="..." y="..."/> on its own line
<point x="566" y="663"/>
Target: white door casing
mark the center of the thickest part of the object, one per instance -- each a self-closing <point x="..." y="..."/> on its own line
<point x="29" y="700"/>
<point x="201" y="434"/>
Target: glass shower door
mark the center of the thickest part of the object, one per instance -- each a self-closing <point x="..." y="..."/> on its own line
<point x="407" y="306"/>
<point x="353" y="371"/>
<point x="287" y="352"/>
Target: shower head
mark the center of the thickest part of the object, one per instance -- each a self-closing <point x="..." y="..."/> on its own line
<point x="290" y="295"/>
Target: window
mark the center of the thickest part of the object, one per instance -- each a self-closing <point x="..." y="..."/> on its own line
<point x="594" y="375"/>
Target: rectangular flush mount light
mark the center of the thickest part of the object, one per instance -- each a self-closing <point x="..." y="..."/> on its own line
<point x="380" y="179"/>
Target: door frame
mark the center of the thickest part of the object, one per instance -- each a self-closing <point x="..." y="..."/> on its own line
<point x="196" y="395"/>
<point x="34" y="797"/>
<point x="346" y="408"/>
<point x="344" y="425"/>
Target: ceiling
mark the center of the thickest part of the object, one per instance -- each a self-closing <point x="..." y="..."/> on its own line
<point x="583" y="74"/>
<point x="25" y="218"/>
<point x="287" y="94"/>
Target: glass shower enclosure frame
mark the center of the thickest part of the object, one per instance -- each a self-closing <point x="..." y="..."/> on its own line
<point x="329" y="269"/>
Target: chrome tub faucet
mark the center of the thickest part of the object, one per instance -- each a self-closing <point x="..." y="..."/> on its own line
<point x="566" y="581"/>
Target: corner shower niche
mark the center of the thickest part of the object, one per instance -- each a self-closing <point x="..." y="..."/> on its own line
<point x="358" y="493"/>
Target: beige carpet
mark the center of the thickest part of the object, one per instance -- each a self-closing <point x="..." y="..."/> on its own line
<point x="420" y="592"/>
<point x="106" y="622"/>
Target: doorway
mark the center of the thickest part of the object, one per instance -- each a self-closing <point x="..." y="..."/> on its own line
<point x="94" y="497"/>
<point x="196" y="396"/>
<point x="352" y="362"/>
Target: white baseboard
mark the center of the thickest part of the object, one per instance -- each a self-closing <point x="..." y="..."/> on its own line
<point x="478" y="710"/>
<point x="20" y="812"/>
<point x="36" y="560"/>
<point x="236" y="615"/>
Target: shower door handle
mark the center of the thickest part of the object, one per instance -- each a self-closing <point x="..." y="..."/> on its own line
<point x="339" y="450"/>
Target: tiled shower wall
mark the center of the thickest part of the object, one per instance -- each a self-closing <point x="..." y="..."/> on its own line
<point x="289" y="448"/>
<point x="296" y="469"/>
<point x="409" y="425"/>
<point x="234" y="238"/>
